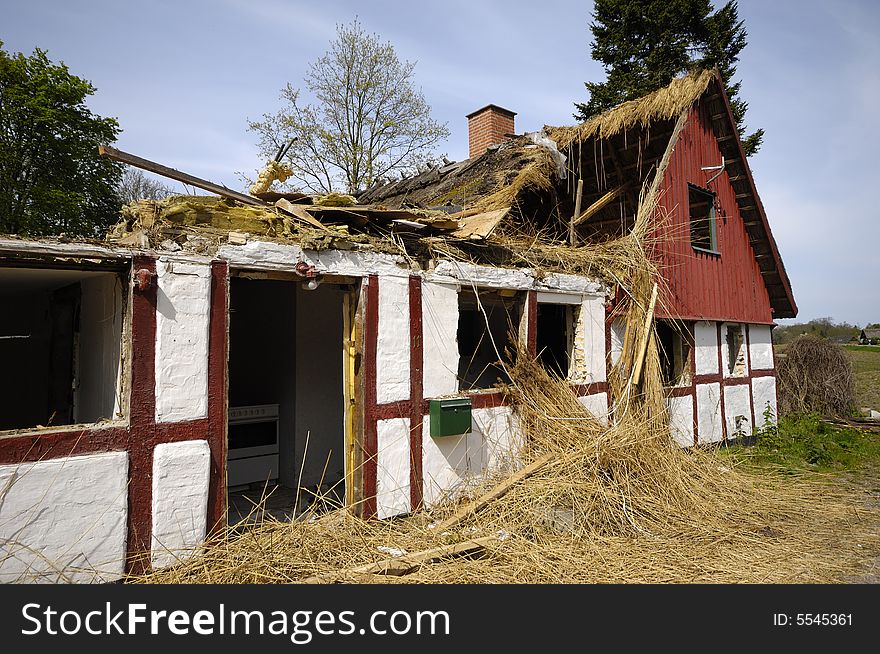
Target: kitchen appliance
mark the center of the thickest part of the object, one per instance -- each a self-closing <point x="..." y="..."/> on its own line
<point x="253" y="444"/>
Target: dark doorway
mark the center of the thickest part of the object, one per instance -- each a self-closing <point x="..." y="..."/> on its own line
<point x="286" y="396"/>
<point x="554" y="340"/>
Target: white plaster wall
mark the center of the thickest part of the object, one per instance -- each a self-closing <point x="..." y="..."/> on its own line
<point x="709" y="413"/>
<point x="262" y="255"/>
<point x="182" y="316"/>
<point x="681" y="419"/>
<point x="451" y="464"/>
<point x="706" y="348"/>
<point x="618" y="331"/>
<point x="737" y="403"/>
<point x="393" y="463"/>
<point x="440" y="339"/>
<point x="100" y="340"/>
<point x="393" y="347"/>
<point x="764" y="392"/>
<point x="519" y="279"/>
<point x="181" y="473"/>
<point x="445" y="464"/>
<point x="760" y="348"/>
<point x="495" y="441"/>
<point x="64" y="519"/>
<point x="596" y="404"/>
<point x="593" y="334"/>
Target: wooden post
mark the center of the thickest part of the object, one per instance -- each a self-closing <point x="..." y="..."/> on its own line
<point x="643" y="341"/>
<point x="572" y="235"/>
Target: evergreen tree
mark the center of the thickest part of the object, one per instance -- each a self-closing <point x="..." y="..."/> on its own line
<point x="52" y="179"/>
<point x="644" y="44"/>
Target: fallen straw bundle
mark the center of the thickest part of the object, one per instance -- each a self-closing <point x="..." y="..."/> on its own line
<point x="620" y="504"/>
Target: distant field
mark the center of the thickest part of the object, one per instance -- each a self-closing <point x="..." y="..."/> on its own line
<point x="866" y="365"/>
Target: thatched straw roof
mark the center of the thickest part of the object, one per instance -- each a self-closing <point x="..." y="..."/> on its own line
<point x="667" y="103"/>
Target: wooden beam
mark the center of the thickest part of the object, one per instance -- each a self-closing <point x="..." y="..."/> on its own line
<point x="171" y="173"/>
<point x="494" y="494"/>
<point x="298" y="211"/>
<point x="599" y="204"/>
<point x="572" y="233"/>
<point x="407" y="563"/>
<point x="647" y="335"/>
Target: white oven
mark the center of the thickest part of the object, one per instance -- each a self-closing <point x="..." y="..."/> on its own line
<point x="252" y="444"/>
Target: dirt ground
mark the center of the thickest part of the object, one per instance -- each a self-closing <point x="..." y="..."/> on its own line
<point x="867" y="483"/>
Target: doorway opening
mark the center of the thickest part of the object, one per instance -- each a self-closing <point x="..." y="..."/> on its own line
<point x="288" y="431"/>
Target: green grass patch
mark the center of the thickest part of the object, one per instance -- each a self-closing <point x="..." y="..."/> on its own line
<point x="863" y="348"/>
<point x="806" y="443"/>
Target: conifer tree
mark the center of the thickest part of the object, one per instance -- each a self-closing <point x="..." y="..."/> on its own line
<point x="644" y="44"/>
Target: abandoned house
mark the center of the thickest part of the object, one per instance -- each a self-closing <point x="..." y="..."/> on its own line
<point x="210" y="347"/>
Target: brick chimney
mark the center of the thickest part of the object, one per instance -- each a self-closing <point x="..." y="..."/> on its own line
<point x="488" y="126"/>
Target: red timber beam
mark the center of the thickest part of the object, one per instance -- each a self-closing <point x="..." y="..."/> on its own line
<point x="371" y="415"/>
<point x="416" y="392"/>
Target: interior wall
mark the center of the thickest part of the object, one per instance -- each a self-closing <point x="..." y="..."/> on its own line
<point x="24" y="351"/>
<point x="100" y="341"/>
<point x="319" y="382"/>
<point x="262" y="357"/>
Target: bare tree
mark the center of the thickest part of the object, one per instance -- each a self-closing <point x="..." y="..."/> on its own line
<point x="135" y="185"/>
<point x="369" y="120"/>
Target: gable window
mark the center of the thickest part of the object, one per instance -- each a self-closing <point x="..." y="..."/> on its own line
<point x="675" y="352"/>
<point x="701" y="205"/>
<point x="484" y="337"/>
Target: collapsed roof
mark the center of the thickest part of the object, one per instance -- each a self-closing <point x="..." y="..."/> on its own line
<point x="485" y="208"/>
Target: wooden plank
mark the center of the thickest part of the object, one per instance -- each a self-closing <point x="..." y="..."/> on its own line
<point x="646" y="337"/>
<point x="298" y="212"/>
<point x="292" y="196"/>
<point x="600" y="204"/>
<point x="481" y="225"/>
<point x="171" y="173"/>
<point x="407" y="563"/>
<point x="572" y="233"/>
<point x="495" y="493"/>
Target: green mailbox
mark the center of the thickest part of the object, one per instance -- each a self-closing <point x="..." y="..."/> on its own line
<point x="451" y="417"/>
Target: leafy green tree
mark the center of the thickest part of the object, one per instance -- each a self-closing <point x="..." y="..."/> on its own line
<point x="644" y="44"/>
<point x="369" y="120"/>
<point x="52" y="180"/>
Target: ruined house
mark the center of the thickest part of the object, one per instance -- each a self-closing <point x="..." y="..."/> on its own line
<point x="209" y="347"/>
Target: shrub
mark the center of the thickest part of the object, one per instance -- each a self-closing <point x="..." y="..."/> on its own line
<point x="815" y="376"/>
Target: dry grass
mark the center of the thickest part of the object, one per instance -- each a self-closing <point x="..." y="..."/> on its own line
<point x="621" y="504"/>
<point x="815" y="376"/>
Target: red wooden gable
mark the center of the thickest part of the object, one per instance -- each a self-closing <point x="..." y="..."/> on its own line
<point x="727" y="286"/>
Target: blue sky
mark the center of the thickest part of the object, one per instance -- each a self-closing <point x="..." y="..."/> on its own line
<point x="183" y="77"/>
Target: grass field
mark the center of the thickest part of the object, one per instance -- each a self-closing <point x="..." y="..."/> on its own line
<point x="866" y="366"/>
<point x="807" y="443"/>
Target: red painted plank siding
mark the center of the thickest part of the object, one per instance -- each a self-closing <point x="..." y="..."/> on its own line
<point x="703" y="286"/>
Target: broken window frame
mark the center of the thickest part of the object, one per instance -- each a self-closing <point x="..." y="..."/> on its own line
<point x="121" y="268"/>
<point x="709" y="242"/>
<point x="736" y="361"/>
<point x="675" y="373"/>
<point x="512" y="302"/>
<point x="572" y="305"/>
